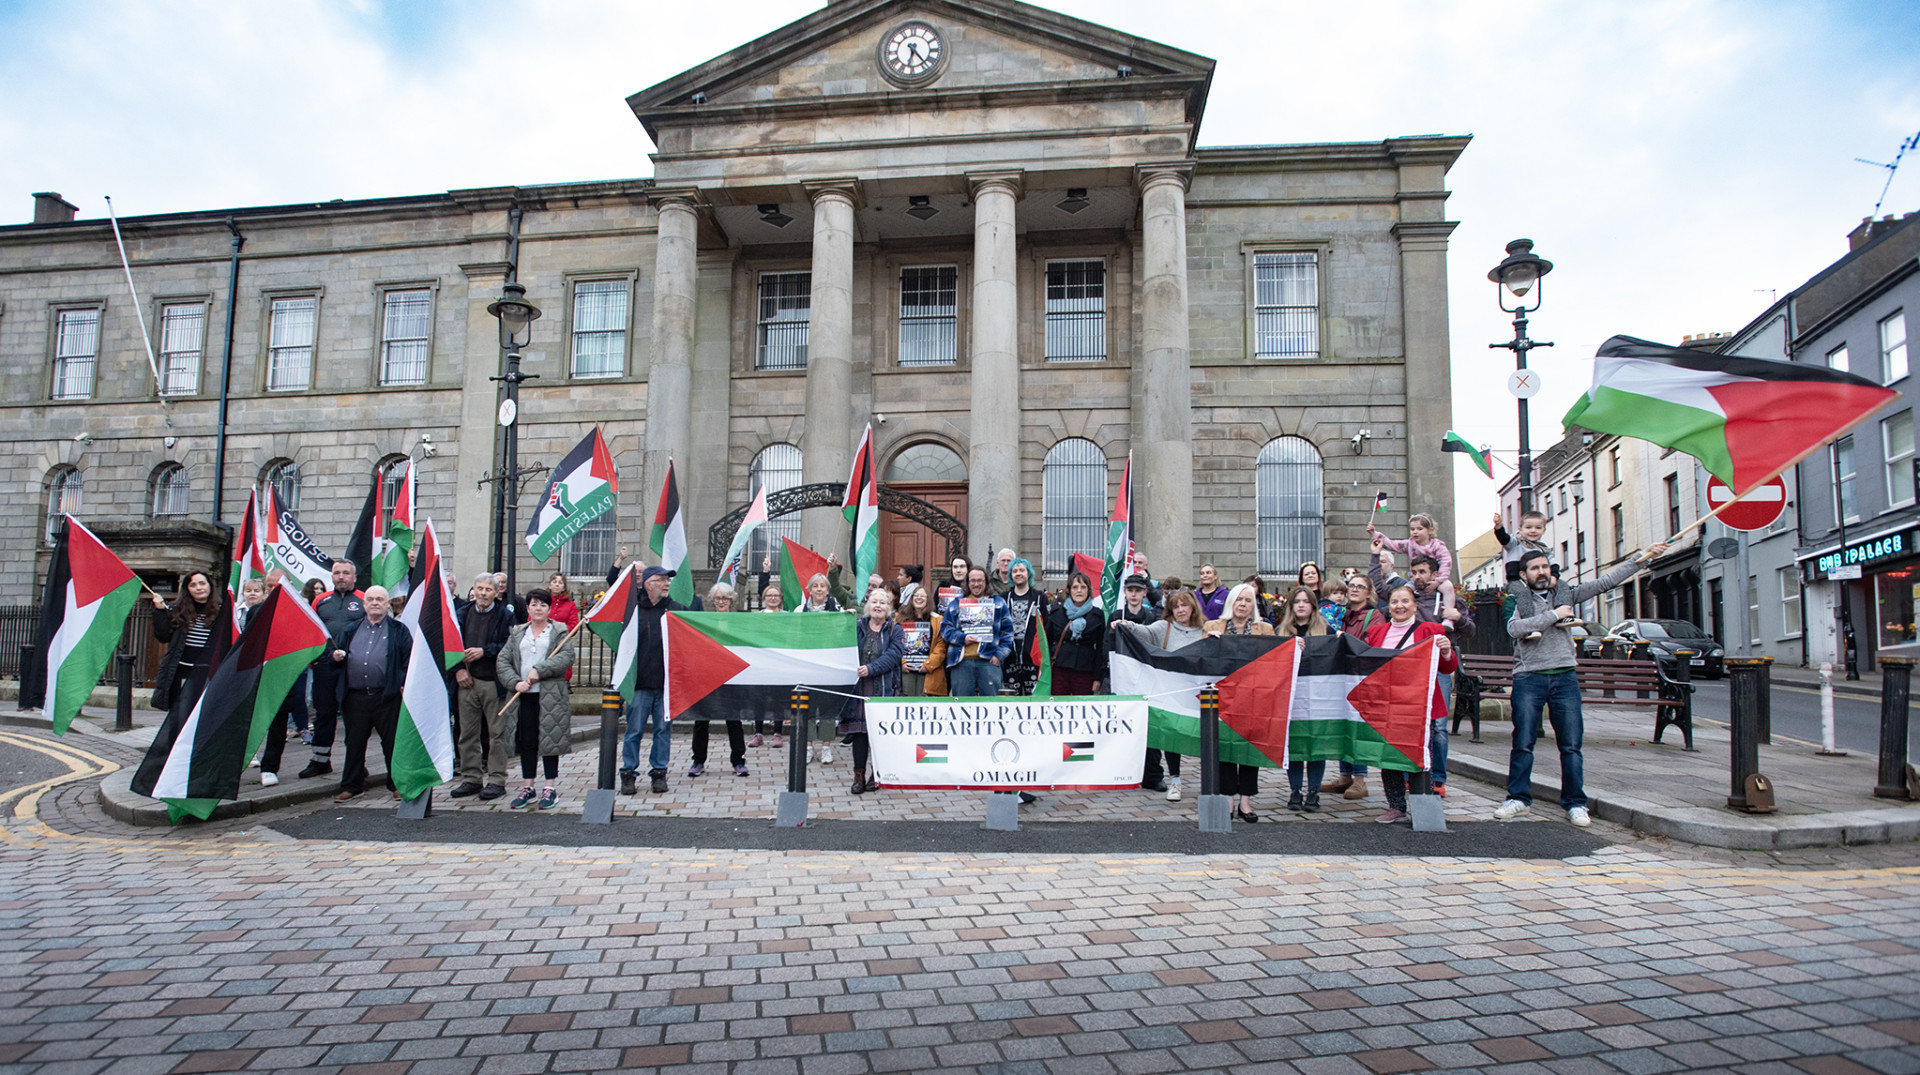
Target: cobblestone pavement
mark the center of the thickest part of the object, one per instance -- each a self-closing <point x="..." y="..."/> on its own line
<point x="228" y="947"/>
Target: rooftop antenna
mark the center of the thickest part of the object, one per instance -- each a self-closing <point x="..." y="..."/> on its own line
<point x="1911" y="143"/>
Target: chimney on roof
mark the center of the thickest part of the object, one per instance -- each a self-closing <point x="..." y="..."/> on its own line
<point x="1871" y="229"/>
<point x="50" y="208"/>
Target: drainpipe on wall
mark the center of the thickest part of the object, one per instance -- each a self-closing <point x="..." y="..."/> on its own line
<point x="226" y="372"/>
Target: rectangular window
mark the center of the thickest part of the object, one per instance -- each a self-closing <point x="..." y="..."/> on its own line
<point x="1619" y="531"/>
<point x="1753" y="610"/>
<point x="1286" y="305"/>
<point x="1613" y="464"/>
<point x="290" y="344"/>
<point x="1789" y="602"/>
<point x="599" y="328"/>
<point x="786" y="305"/>
<point x="929" y="315"/>
<point x="1893" y="348"/>
<point x="1840" y="459"/>
<point x="183" y="330"/>
<point x="1896" y="436"/>
<point x="1894" y="591"/>
<point x="1563" y="500"/>
<point x="1837" y="359"/>
<point x="404" y="337"/>
<point x="76" y="342"/>
<point x="1673" y="503"/>
<point x="1076" y="311"/>
<point x="1580" y="547"/>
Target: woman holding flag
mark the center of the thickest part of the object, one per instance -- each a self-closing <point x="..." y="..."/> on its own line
<point x="536" y="660"/>
<point x="188" y="631"/>
<point x="1404" y="628"/>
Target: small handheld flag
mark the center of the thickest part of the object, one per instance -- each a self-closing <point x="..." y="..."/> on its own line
<point x="1454" y="442"/>
<point x="1380" y="501"/>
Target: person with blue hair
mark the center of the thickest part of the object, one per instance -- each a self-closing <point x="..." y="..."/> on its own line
<point x="1027" y="605"/>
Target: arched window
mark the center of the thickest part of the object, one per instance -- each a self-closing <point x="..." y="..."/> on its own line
<point x="393" y="474"/>
<point x="283" y="476"/>
<point x="1074" y="495"/>
<point x="63" y="498"/>
<point x="590" y="552"/>
<point x="1288" y="505"/>
<point x="926" y="463"/>
<point x="171" y="489"/>
<point x="777" y="467"/>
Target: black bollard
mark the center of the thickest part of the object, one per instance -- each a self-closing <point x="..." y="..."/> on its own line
<point x="790" y="807"/>
<point x="1743" y="719"/>
<point x="1215" y="816"/>
<point x="30" y="693"/>
<point x="1766" y="700"/>
<point x="123" y="703"/>
<point x="600" y="802"/>
<point x="1896" y="675"/>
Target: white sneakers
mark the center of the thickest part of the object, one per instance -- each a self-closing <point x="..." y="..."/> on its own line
<point x="1173" y="789"/>
<point x="825" y="755"/>
<point x="269" y="779"/>
<point x="1512" y="808"/>
<point x="1579" y="816"/>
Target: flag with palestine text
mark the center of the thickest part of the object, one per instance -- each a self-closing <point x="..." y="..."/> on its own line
<point x="285" y="544"/>
<point x="83" y="611"/>
<point x="669" y="539"/>
<point x="583" y="489"/>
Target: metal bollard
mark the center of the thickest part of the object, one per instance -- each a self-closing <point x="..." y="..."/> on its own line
<point x="1828" y="746"/>
<point x="30" y="694"/>
<point x="1215" y="816"/>
<point x="790" y="807"/>
<point x="123" y="702"/>
<point x="600" y="801"/>
<point x="1743" y="705"/>
<point x="1766" y="700"/>
<point x="1896" y="675"/>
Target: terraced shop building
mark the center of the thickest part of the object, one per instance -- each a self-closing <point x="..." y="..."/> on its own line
<point x="988" y="229"/>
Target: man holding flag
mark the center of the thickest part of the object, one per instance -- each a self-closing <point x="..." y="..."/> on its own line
<point x="649" y="706"/>
<point x="370" y="660"/>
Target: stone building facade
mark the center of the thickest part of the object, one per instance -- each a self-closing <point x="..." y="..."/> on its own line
<point x="988" y="229"/>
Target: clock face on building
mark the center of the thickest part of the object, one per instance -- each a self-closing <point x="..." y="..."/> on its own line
<point x="912" y="53"/>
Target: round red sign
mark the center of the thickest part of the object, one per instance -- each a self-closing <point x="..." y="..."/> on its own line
<point x="1755" y="511"/>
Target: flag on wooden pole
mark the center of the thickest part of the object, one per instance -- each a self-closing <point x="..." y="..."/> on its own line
<point x="669" y="540"/>
<point x="861" y="506"/>
<point x="83" y="611"/>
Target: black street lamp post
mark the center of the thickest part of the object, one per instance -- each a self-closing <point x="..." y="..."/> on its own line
<point x="1519" y="274"/>
<point x="516" y="316"/>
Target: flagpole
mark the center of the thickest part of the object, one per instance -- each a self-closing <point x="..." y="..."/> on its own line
<point x="563" y="641"/>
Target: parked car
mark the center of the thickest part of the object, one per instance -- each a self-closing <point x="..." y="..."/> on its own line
<point x="1589" y="639"/>
<point x="1667" y="636"/>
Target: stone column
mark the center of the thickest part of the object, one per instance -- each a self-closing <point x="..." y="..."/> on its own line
<point x="1423" y="313"/>
<point x="828" y="438"/>
<point x="676" y="281"/>
<point x="993" y="463"/>
<point x="477" y="441"/>
<point x="703" y="475"/>
<point x="1163" y="452"/>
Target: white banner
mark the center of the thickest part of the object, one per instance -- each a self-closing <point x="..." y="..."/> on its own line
<point x="1033" y="743"/>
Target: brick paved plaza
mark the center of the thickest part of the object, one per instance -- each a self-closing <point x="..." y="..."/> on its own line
<point x="234" y="946"/>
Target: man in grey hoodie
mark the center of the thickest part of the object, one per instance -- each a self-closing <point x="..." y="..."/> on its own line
<point x="1544" y="677"/>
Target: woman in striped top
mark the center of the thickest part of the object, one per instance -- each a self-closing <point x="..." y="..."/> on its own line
<point x="187" y="629"/>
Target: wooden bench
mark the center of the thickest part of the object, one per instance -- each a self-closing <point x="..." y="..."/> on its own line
<point x="1638" y="683"/>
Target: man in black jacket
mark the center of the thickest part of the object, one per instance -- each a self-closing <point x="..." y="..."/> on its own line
<point x="338" y="609"/>
<point x="370" y="660"/>
<point x="649" y="707"/>
<point x="483" y="751"/>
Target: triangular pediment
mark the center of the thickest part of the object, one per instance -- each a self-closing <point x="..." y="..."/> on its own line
<point x="992" y="47"/>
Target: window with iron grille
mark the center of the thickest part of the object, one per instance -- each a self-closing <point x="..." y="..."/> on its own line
<point x="786" y="305"/>
<point x="76" y="342"/>
<point x="290" y="344"/>
<point x="588" y="553"/>
<point x="283" y="478"/>
<point x="404" y="337"/>
<point x="599" y="328"/>
<point x="183" y="331"/>
<point x="63" y="498"/>
<point x="777" y="467"/>
<point x="929" y="315"/>
<point x="1286" y="305"/>
<point x="393" y="475"/>
<point x="171" y="489"/>
<point x="1076" y="311"/>
<point x="1289" y="505"/>
<point x="1074" y="505"/>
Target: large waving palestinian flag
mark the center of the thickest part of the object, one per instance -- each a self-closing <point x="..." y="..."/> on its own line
<point x="1170" y="680"/>
<point x="83" y="610"/>
<point x="614" y="619"/>
<point x="423" y="736"/>
<point x="197" y="764"/>
<point x="1351" y="702"/>
<point x="1745" y="419"/>
<point x="582" y="490"/>
<point x="743" y="665"/>
<point x="247" y="561"/>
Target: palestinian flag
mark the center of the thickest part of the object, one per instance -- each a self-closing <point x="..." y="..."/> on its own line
<point x="1076" y="751"/>
<point x="756" y="518"/>
<point x="197" y="763"/>
<point x="377" y="561"/>
<point x="284" y="544"/>
<point x="582" y="490"/>
<point x="930" y="753"/>
<point x="1350" y="702"/>
<point x="1454" y="442"/>
<point x="1744" y="419"/>
<point x="730" y="666"/>
<point x="1171" y="682"/>
<point x="247" y="561"/>
<point x="83" y="611"/>
<point x="390" y="566"/>
<point x="1119" y="543"/>
<point x="614" y="618"/>
<point x="861" y="506"/>
<point x="423" y="736"/>
<point x="1090" y="566"/>
<point x="797" y="565"/>
<point x="1042" y="660"/>
<point x="1380" y="501"/>
<point x="669" y="539"/>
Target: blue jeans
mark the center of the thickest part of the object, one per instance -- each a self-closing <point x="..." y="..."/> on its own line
<point x="647" y="708"/>
<point x="1437" y="736"/>
<point x="1560" y="696"/>
<point x="974" y="678"/>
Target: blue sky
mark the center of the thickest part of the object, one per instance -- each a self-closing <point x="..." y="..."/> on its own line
<point x="1678" y="160"/>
